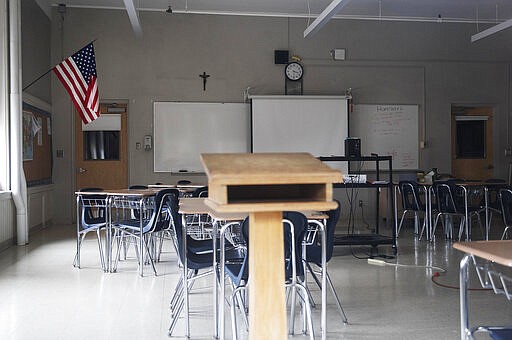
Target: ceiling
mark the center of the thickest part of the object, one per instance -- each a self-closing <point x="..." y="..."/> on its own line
<point x="471" y="11"/>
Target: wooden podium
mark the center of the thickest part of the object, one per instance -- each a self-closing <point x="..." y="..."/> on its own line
<point x="265" y="185"/>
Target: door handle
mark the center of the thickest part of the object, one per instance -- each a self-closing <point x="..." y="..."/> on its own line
<point x="490" y="167"/>
<point x="82" y="170"/>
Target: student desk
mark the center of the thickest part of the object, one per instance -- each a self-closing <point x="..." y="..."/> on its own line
<point x="137" y="198"/>
<point x="499" y="252"/>
<point x="264" y="185"/>
<point x="192" y="206"/>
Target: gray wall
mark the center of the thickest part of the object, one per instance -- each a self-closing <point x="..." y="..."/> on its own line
<point x="429" y="64"/>
<point x="35" y="46"/>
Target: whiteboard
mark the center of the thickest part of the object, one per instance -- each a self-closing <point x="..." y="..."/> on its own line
<point x="314" y="124"/>
<point x="388" y="130"/>
<point x="183" y="130"/>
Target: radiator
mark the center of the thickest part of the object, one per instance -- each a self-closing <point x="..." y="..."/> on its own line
<point x="7" y="220"/>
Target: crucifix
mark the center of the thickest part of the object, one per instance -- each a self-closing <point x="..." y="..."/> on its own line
<point x="205" y="77"/>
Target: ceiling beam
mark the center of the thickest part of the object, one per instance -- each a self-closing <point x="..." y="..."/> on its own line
<point x="330" y="11"/>
<point x="491" y="30"/>
<point x="134" y="17"/>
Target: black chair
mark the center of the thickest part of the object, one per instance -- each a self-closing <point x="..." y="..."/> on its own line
<point x="137" y="186"/>
<point x="411" y="202"/>
<point x="295" y="224"/>
<point x="314" y="254"/>
<point x="198" y="256"/>
<point x="493" y="186"/>
<point x="91" y="216"/>
<point x="155" y="220"/>
<point x="506" y="210"/>
<point x="200" y="192"/>
<point x="452" y="202"/>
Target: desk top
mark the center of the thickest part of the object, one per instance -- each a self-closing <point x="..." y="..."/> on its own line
<point x="178" y="186"/>
<point x="267" y="168"/>
<point x="121" y="192"/>
<point x="499" y="251"/>
<point x="189" y="205"/>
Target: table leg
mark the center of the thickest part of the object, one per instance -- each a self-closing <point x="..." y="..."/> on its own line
<point x="487" y="222"/>
<point x="108" y="235"/>
<point x="324" y="282"/>
<point x="142" y="250"/>
<point x="216" y="286"/>
<point x="267" y="307"/>
<point x="463" y="282"/>
<point x="185" y="274"/>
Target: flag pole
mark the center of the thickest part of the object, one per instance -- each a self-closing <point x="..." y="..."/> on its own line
<point x="42" y="75"/>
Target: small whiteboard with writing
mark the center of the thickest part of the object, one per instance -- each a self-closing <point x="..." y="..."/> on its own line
<point x="388" y="130"/>
<point x="182" y="131"/>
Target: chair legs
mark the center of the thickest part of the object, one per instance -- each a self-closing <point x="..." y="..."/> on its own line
<point x="333" y="290"/>
<point x="80" y="239"/>
<point x="416" y="223"/>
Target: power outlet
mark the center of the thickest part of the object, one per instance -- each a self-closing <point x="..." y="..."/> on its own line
<point x="360" y="203"/>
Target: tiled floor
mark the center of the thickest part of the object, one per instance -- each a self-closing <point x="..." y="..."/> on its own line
<point x="42" y="296"/>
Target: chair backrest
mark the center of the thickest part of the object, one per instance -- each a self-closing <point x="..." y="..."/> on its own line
<point x="314" y="251"/>
<point x="161" y="216"/>
<point x="137" y="186"/>
<point x="493" y="191"/>
<point x="200" y="192"/>
<point x="93" y="211"/>
<point x="173" y="205"/>
<point x="410" y="195"/>
<point x="506" y="205"/>
<point x="444" y="192"/>
<point x="291" y="239"/>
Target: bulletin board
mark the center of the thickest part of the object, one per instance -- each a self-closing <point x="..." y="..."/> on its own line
<point x="37" y="145"/>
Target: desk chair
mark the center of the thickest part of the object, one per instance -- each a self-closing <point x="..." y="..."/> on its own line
<point x="411" y="202"/>
<point x="447" y="208"/>
<point x="295" y="225"/>
<point x="452" y="202"/>
<point x="493" y="186"/>
<point x="155" y="220"/>
<point x="506" y="210"/>
<point x="198" y="256"/>
<point x="203" y="222"/>
<point x="314" y="255"/>
<point x="91" y="216"/>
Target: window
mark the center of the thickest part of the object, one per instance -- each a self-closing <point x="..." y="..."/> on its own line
<point x="470" y="139"/>
<point x="101" y="145"/>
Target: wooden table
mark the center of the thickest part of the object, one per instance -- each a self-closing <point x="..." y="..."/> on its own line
<point x="499" y="252"/>
<point x="266" y="184"/>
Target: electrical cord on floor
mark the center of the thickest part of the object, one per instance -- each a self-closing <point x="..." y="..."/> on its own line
<point x="437" y="274"/>
<point x="434" y="276"/>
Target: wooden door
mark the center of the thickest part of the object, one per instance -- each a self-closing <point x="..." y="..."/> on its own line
<point x="105" y="169"/>
<point x="472" y="143"/>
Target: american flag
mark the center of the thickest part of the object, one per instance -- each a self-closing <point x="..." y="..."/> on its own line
<point x="78" y="75"/>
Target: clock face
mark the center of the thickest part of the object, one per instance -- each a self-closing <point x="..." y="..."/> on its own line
<point x="294" y="71"/>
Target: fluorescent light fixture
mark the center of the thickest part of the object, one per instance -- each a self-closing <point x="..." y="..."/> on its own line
<point x="491" y="30"/>
<point x="134" y="18"/>
<point x="330" y="11"/>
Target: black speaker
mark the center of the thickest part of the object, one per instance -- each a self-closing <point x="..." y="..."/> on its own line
<point x="352" y="147"/>
<point x="281" y="57"/>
